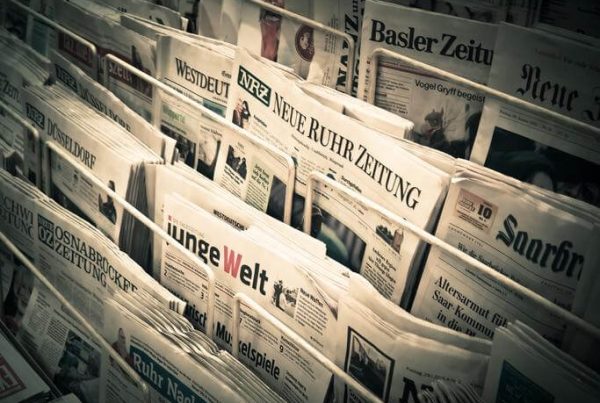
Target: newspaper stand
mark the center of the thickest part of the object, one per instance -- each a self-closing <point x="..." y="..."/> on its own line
<point x="78" y="40"/>
<point x="317" y="26"/>
<point x="75" y="313"/>
<point x="202" y="110"/>
<point x="529" y="295"/>
<point x="593" y="132"/>
<point x="36" y="137"/>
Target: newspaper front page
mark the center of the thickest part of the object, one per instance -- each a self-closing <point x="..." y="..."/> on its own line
<point x="541" y="246"/>
<point x="240" y="263"/>
<point x="446" y="115"/>
<point x="382" y="251"/>
<point x="557" y="74"/>
<point x="363" y="159"/>
<point x="393" y="364"/>
<point x="257" y="173"/>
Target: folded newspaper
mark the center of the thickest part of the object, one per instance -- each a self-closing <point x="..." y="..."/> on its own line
<point x="524" y="366"/>
<point x="108" y="104"/>
<point x="21" y="67"/>
<point x="546" y="244"/>
<point x="393" y="363"/>
<point x="286" y="293"/>
<point x="99" y="147"/>
<point x="20" y="380"/>
<point x="446" y="115"/>
<point x="363" y="159"/>
<point x="102" y="27"/>
<point x="82" y="263"/>
<point x="558" y="74"/>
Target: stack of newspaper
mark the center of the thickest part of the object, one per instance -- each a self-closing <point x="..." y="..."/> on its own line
<point x="396" y="355"/>
<point x="81" y="262"/>
<point x="556" y="73"/>
<point x="101" y="26"/>
<point x="523" y="366"/>
<point x="282" y="269"/>
<point x="446" y="115"/>
<point x="101" y="148"/>
<point x="178" y="363"/>
<point x="274" y="107"/>
<point x="106" y="103"/>
<point x="20" y="67"/>
<point x="546" y="242"/>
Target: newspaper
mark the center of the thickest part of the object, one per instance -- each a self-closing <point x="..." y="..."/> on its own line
<point x="368" y="240"/>
<point x="312" y="54"/>
<point x="277" y="359"/>
<point x="360" y="158"/>
<point x="393" y="364"/>
<point x="446" y="115"/>
<point x="183" y="66"/>
<point x="20" y="67"/>
<point x="547" y="70"/>
<point x="520" y="368"/>
<point x="241" y="263"/>
<point x="20" y="381"/>
<point x="546" y="248"/>
<point x="108" y="104"/>
<point x="109" y="36"/>
<point x="148" y="10"/>
<point x="101" y="148"/>
<point x="257" y="173"/>
<point x="75" y="256"/>
<point x="527" y="145"/>
<point x="67" y="354"/>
